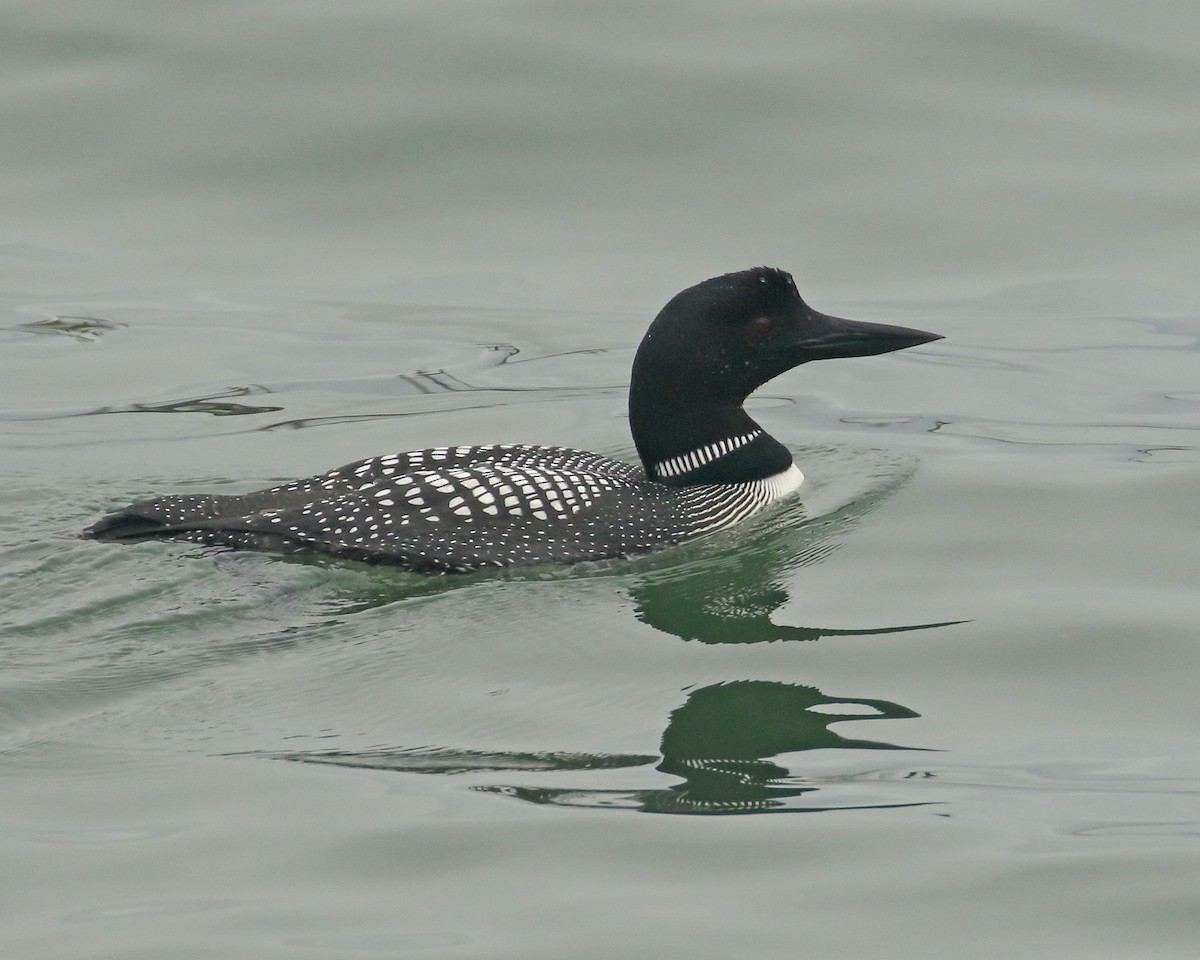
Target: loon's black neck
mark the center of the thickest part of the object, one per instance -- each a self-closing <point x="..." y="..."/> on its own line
<point x="681" y="444"/>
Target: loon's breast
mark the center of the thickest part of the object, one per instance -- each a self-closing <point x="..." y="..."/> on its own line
<point x="706" y="464"/>
<point x="455" y="509"/>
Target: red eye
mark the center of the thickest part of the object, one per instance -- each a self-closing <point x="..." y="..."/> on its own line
<point x="761" y="326"/>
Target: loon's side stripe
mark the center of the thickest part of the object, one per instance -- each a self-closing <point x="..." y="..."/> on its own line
<point x="695" y="459"/>
<point x="713" y="507"/>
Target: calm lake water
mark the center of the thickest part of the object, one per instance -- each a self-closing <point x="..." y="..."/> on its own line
<point x="245" y="242"/>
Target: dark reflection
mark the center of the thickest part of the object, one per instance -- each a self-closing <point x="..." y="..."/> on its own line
<point x="78" y="328"/>
<point x="449" y="761"/>
<point x="739" y="611"/>
<point x="743" y="720"/>
<point x="721" y="743"/>
<point x="215" y="404"/>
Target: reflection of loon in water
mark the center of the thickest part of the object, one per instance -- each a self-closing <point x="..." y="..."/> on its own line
<point x="719" y="742"/>
<point x="733" y="602"/>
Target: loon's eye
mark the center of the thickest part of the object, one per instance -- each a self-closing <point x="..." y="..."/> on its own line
<point x="761" y="326"/>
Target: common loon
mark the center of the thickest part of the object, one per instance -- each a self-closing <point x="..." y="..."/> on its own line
<point x="705" y="464"/>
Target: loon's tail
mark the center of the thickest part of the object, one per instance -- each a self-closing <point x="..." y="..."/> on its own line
<point x="164" y="517"/>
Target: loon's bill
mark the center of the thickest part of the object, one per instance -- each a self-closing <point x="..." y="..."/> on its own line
<point x="705" y="464"/>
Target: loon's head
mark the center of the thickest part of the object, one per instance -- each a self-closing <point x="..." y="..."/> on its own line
<point x="713" y="344"/>
<point x="725" y="337"/>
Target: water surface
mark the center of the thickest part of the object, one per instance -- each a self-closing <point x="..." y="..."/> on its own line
<point x="249" y="242"/>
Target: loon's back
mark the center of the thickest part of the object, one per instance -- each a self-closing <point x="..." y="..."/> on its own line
<point x="705" y="464"/>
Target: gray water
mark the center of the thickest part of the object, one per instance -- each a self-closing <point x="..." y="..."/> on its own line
<point x="244" y="242"/>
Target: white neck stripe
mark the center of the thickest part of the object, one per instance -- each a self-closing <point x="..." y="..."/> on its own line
<point x="695" y="459"/>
